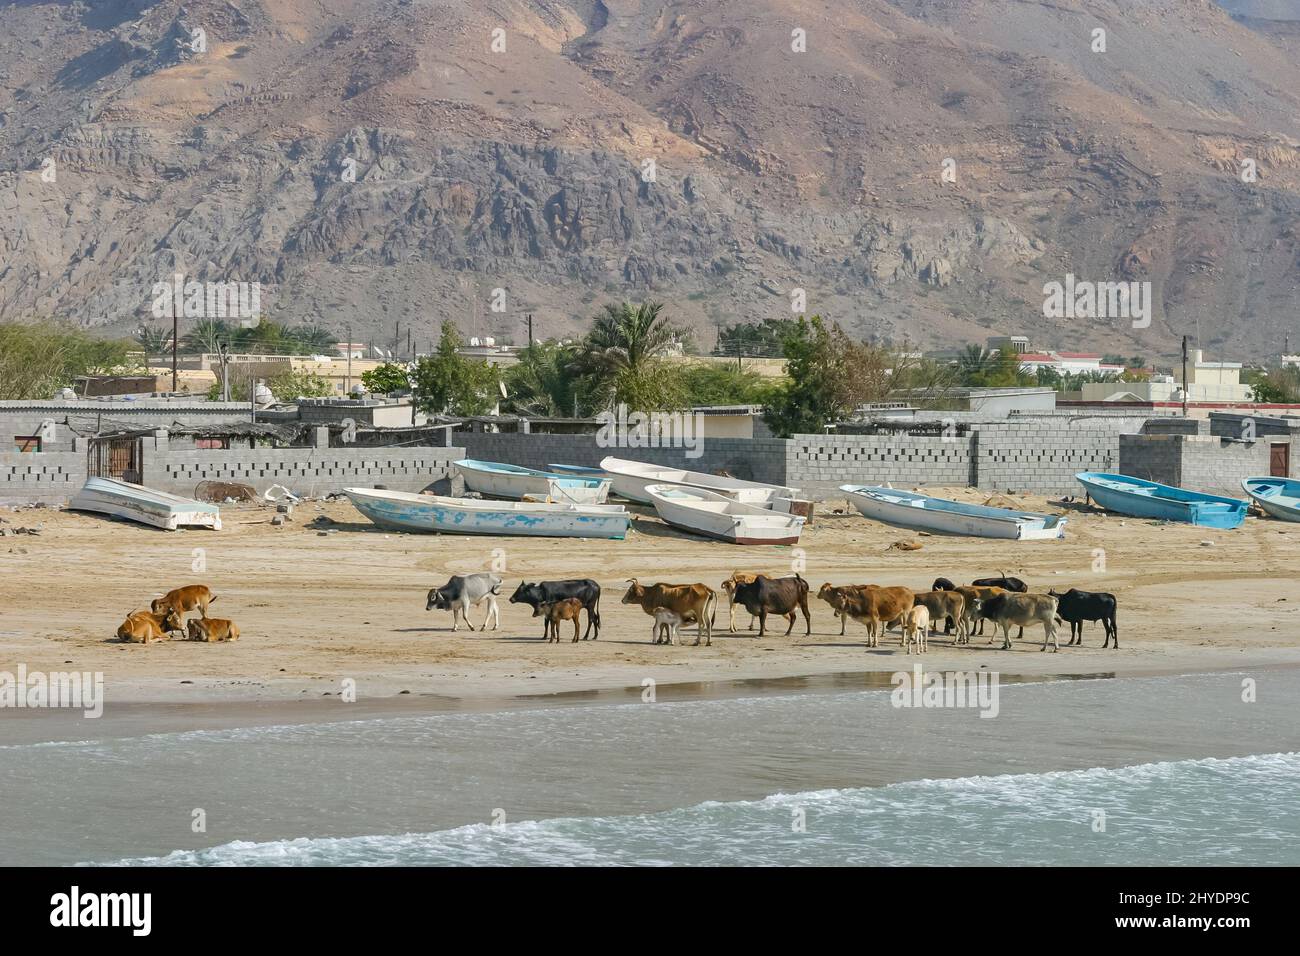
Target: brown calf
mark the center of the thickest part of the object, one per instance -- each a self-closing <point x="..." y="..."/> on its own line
<point x="186" y="599"/>
<point x="141" y="627"/>
<point x="213" y="629"/>
<point x="565" y="609"/>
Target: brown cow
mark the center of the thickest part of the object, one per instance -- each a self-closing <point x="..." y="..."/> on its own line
<point x="141" y="627"/>
<point x="694" y="602"/>
<point x="870" y="604"/>
<point x="729" y="589"/>
<point x="186" y="599"/>
<point x="944" y="604"/>
<point x="213" y="629"/>
<point x="975" y="595"/>
<point x="565" y="609"/>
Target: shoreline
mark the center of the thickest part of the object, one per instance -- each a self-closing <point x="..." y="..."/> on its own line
<point x="143" y="715"/>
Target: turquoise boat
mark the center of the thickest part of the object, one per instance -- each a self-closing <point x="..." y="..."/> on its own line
<point x="1279" y="497"/>
<point x="1149" y="499"/>
<point x="514" y="482"/>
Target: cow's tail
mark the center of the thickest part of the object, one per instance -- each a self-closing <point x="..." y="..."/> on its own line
<point x="596" y="608"/>
<point x="211" y="598"/>
<point x="712" y="602"/>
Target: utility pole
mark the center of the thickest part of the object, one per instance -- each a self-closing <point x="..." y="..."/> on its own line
<point x="530" y="330"/>
<point x="347" y="389"/>
<point x="1186" y="385"/>
<point x="175" y="329"/>
<point x="410" y="346"/>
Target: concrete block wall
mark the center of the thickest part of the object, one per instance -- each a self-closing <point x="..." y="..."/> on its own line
<point x="304" y="471"/>
<point x="1044" y="456"/>
<point x="819" y="464"/>
<point x="750" y="459"/>
<point x="1199" y="462"/>
<point x="41" y="476"/>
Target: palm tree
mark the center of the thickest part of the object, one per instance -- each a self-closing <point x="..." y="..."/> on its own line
<point x="153" y="340"/>
<point x="539" y="384"/>
<point x="975" y="362"/>
<point x="314" y="339"/>
<point x="207" y="335"/>
<point x="622" y="357"/>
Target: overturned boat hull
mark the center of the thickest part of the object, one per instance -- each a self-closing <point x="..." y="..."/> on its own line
<point x="121" y="499"/>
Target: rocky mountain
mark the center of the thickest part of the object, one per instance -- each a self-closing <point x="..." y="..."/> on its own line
<point x="917" y="169"/>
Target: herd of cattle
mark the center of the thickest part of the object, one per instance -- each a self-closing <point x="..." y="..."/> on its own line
<point x="963" y="610"/>
<point x="166" y="615"/>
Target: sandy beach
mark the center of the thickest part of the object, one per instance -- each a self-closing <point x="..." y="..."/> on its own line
<point x="318" y="608"/>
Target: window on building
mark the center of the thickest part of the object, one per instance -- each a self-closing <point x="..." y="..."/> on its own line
<point x="212" y="443"/>
<point x="27" y="443"/>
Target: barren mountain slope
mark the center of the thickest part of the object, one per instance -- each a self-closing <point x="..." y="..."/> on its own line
<point x="525" y="169"/>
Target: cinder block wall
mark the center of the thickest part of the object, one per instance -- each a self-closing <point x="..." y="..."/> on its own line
<point x="1044" y="456"/>
<point x="304" y="471"/>
<point x="48" y="476"/>
<point x="1152" y="457"/>
<point x="819" y="464"/>
<point x="751" y="459"/>
<point x="1199" y="462"/>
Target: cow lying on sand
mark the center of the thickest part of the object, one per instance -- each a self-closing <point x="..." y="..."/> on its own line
<point x="465" y="591"/>
<point x="764" y="596"/>
<point x="694" y="602"/>
<point x="565" y="609"/>
<point x="1006" y="609"/>
<point x="213" y="629"/>
<point x="141" y="627"/>
<point x="546" y="592"/>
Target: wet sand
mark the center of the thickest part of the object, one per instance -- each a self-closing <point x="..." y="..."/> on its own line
<point x="318" y="609"/>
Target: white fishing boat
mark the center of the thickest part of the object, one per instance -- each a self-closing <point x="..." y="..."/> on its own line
<point x="121" y="499"/>
<point x="705" y="512"/>
<point x="402" y="511"/>
<point x="517" y="483"/>
<point x="630" y="479"/>
<point x="926" y="513"/>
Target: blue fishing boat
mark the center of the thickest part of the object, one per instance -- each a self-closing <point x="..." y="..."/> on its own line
<point x="1279" y="497"/>
<point x="516" y="483"/>
<point x="909" y="510"/>
<point x="1149" y="499"/>
<point x="407" y="512"/>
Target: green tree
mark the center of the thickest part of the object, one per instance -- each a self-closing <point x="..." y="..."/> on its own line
<point x="207" y="335"/>
<point x="38" y="359"/>
<point x="286" y="386"/>
<point x="829" y="375"/>
<point x="542" y="381"/>
<point x="153" y="339"/>
<point x="448" y="383"/>
<point x="712" y="384"/>
<point x="313" y="339"/>
<point x="755" y="339"/>
<point x="386" y="378"/>
<point x="1279" y="384"/>
<point x="623" y="361"/>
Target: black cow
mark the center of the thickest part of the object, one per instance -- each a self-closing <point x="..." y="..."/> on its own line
<point x="943" y="584"/>
<point x="764" y="596"/>
<point x="1004" y="582"/>
<point x="548" y="592"/>
<point x="1078" y="606"/>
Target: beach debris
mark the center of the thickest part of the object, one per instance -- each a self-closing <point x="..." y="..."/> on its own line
<point x="219" y="492"/>
<point x="1207" y="543"/>
<point x="278" y="493"/>
<point x="277" y="520"/>
<point x="905" y="546"/>
<point x="284" y="509"/>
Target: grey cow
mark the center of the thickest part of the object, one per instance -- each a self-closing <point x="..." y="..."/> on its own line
<point x="465" y="591"/>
